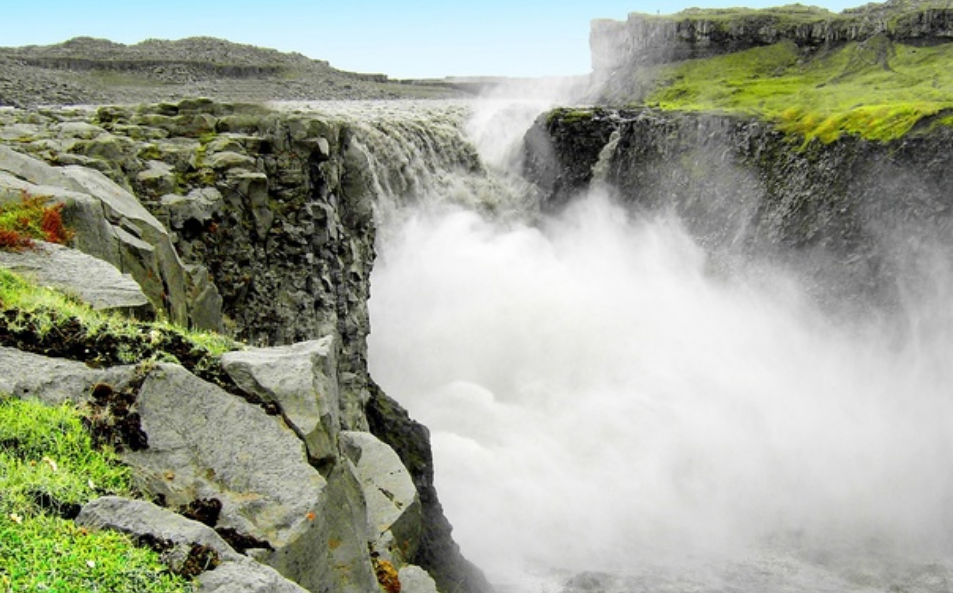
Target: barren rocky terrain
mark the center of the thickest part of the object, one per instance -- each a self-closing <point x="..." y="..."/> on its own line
<point x="85" y="70"/>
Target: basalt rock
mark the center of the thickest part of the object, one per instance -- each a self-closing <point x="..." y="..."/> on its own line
<point x="833" y="212"/>
<point x="261" y="223"/>
<point x="188" y="547"/>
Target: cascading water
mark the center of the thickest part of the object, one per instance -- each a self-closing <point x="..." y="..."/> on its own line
<point x="607" y="415"/>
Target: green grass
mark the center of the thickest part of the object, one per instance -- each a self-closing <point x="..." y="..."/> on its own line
<point x="782" y="16"/>
<point x="47" y="463"/>
<point x="877" y="90"/>
<point x="46" y="313"/>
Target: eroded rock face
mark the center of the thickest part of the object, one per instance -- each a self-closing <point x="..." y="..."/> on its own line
<point x="834" y="213"/>
<point x="260" y="223"/>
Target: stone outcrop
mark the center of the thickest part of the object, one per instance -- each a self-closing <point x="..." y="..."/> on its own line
<point x="300" y="381"/>
<point x="838" y="213"/>
<point x="112" y="225"/>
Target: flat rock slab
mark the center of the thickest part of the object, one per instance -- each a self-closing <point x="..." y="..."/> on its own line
<point x="235" y="574"/>
<point x="140" y="517"/>
<point x="92" y="280"/>
<point x="53" y="380"/>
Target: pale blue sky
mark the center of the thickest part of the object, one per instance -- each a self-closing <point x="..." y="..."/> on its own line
<point x="406" y="39"/>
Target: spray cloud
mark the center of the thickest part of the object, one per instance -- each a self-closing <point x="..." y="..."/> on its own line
<point x="599" y="401"/>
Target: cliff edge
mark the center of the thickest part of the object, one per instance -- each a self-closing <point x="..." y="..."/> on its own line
<point x="258" y="224"/>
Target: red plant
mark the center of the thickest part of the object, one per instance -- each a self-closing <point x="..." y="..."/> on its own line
<point x="29" y="220"/>
<point x="14" y="241"/>
<point x="52" y="224"/>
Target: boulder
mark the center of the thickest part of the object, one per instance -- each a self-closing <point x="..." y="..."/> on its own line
<point x="414" y="579"/>
<point x="157" y="178"/>
<point x="229" y="571"/>
<point x="77" y="129"/>
<point x="301" y="380"/>
<point x="192" y="211"/>
<point x="246" y="576"/>
<point x="204" y="443"/>
<point x="92" y="280"/>
<point x="394" y="516"/>
<point x="229" y="160"/>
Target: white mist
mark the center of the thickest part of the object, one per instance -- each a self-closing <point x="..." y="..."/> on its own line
<point x="599" y="401"/>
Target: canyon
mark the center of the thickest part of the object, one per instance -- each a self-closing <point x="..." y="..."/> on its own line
<point x="653" y="348"/>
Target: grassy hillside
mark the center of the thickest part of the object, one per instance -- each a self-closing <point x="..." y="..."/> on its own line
<point x="876" y="89"/>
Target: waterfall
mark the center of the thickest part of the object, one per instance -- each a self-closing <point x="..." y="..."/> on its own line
<point x="608" y="415"/>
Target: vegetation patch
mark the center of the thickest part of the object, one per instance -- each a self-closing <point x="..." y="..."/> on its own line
<point x="48" y="468"/>
<point x="876" y="89"/>
<point x="44" y="321"/>
<point x="31" y="219"/>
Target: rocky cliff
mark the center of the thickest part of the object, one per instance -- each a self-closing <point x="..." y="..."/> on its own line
<point x="261" y="224"/>
<point x="855" y="217"/>
<point x="787" y="133"/>
<point x="620" y="49"/>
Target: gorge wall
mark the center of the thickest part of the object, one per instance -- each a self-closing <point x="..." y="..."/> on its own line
<point x="854" y="217"/>
<point x="259" y="223"/>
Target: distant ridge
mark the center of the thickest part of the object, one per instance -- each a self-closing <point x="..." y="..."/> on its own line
<point x="86" y="70"/>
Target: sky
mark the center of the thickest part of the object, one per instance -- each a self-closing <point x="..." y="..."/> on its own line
<point x="406" y="39"/>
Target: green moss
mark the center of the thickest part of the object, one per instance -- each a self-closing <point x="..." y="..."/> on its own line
<point x="150" y="152"/>
<point x="571" y="115"/>
<point x="876" y="90"/>
<point x="48" y="465"/>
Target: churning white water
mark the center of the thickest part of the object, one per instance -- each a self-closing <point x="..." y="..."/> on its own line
<point x="598" y="401"/>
